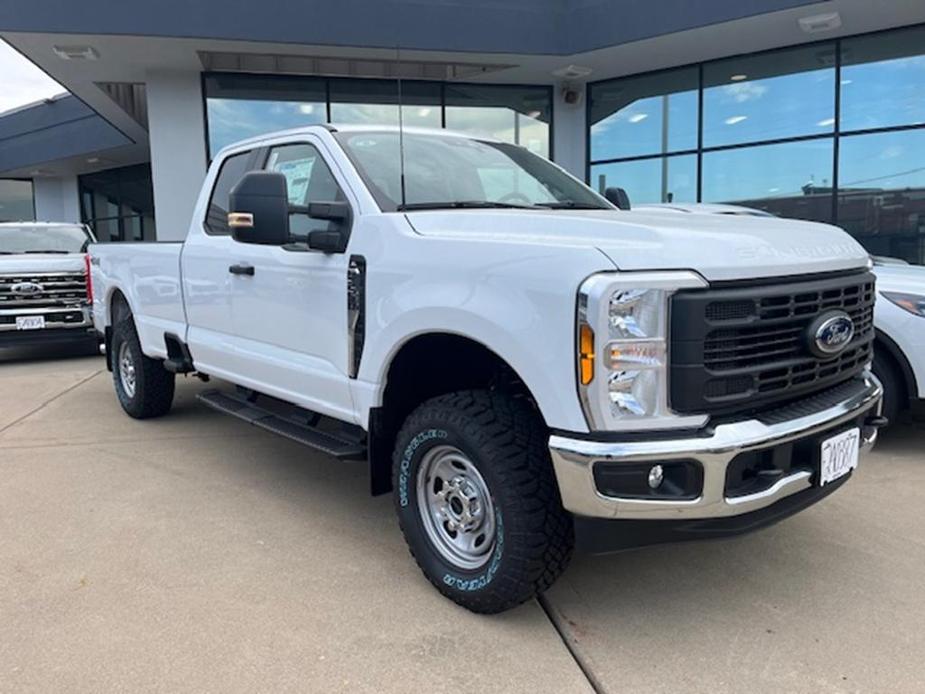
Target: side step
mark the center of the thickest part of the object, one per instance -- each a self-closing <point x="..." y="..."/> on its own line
<point x="338" y="444"/>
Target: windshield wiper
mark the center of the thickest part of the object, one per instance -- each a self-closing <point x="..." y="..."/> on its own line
<point x="49" y="251"/>
<point x="569" y="205"/>
<point x="462" y="204"/>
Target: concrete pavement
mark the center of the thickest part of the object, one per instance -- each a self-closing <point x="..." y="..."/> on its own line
<point x="195" y="553"/>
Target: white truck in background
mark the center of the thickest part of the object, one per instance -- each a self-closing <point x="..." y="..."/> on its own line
<point x="522" y="365"/>
<point x="44" y="296"/>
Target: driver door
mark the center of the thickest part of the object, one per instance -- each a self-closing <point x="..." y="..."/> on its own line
<point x="290" y="315"/>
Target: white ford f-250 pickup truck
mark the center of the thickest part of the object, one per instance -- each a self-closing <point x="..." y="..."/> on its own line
<point x="523" y="365"/>
<point x="43" y="285"/>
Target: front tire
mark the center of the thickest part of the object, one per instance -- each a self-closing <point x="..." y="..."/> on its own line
<point x="143" y="386"/>
<point x="477" y="500"/>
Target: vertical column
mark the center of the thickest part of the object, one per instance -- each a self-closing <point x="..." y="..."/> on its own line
<point x="56" y="198"/>
<point x="570" y="128"/>
<point x="177" y="137"/>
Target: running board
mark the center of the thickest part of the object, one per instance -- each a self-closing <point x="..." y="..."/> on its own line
<point x="339" y="445"/>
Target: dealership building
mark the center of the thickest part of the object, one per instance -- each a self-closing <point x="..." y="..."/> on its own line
<point x="813" y="110"/>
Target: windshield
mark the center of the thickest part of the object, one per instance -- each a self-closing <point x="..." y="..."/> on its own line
<point x="34" y="238"/>
<point x="457" y="172"/>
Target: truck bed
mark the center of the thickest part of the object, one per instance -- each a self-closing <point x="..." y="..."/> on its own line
<point x="149" y="276"/>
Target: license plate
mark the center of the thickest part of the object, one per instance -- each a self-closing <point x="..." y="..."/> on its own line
<point x="30" y="322"/>
<point x="839" y="455"/>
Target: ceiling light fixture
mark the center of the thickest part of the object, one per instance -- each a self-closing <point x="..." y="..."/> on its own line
<point x="572" y="72"/>
<point x="738" y="78"/>
<point x="76" y="52"/>
<point x="818" y="23"/>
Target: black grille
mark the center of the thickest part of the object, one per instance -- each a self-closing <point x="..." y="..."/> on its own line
<point x="748" y="347"/>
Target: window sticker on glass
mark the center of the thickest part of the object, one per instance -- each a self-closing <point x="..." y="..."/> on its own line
<point x="298" y="173"/>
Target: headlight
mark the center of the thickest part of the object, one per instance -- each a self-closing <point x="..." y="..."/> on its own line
<point x="913" y="303"/>
<point x="623" y="350"/>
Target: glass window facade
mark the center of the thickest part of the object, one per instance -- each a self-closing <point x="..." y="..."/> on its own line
<point x="118" y="204"/>
<point x="645" y="115"/>
<point x="16" y="200"/>
<point x="769" y="96"/>
<point x="832" y="131"/>
<point x="240" y="106"/>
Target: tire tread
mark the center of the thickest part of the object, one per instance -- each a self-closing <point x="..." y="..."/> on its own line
<point x="509" y="434"/>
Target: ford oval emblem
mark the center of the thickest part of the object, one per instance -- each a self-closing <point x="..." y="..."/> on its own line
<point x="830" y="333"/>
<point x="26" y="289"/>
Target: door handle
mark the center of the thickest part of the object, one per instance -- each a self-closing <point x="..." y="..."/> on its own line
<point x="241" y="269"/>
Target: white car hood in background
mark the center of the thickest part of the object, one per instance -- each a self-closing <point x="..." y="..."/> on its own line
<point x="719" y="247"/>
<point x="909" y="279"/>
<point x="28" y="263"/>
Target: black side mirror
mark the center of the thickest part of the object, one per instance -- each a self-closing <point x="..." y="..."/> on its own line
<point x="259" y="209"/>
<point x="618" y="197"/>
<point x="334" y="239"/>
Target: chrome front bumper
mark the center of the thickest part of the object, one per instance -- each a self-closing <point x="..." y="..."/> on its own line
<point x="574" y="459"/>
<point x="54" y="317"/>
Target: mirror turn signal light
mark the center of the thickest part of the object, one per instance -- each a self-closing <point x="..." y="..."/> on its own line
<point x="585" y="354"/>
<point x="240" y="220"/>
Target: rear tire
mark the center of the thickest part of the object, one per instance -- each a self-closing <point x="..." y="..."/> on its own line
<point x="143" y="386"/>
<point x="477" y="500"/>
<point x="894" y="392"/>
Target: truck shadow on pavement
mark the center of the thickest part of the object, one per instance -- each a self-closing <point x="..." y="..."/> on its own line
<point x="18" y="355"/>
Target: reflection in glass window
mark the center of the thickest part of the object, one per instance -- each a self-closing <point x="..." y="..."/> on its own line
<point x="447" y="171"/>
<point x="16" y="201"/>
<point x="769" y="96"/>
<point x="881" y="192"/>
<point x="519" y="115"/>
<point x="653" y="114"/>
<point x="242" y="106"/>
<point x="792" y="179"/>
<point x="663" y="179"/>
<point x="883" y="80"/>
<point x="118" y="204"/>
<point x="375" y="102"/>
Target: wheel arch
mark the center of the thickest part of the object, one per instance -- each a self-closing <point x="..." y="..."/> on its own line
<point x="896" y="356"/>
<point x="417" y="371"/>
<point x="117" y="308"/>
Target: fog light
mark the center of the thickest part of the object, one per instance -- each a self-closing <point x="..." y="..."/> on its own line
<point x="656" y="475"/>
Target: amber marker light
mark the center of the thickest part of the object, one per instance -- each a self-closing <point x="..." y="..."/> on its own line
<point x="585" y="354"/>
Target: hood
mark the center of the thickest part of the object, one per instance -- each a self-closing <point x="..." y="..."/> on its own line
<point x="719" y="247"/>
<point x="36" y="263"/>
<point x="909" y="279"/>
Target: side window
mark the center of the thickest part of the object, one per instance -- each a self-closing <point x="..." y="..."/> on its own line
<point x="308" y="179"/>
<point x="233" y="168"/>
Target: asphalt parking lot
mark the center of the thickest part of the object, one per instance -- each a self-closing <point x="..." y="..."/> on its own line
<point x="194" y="553"/>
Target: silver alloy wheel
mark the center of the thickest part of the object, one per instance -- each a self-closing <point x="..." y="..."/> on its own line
<point x="126" y="370"/>
<point x="456" y="507"/>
